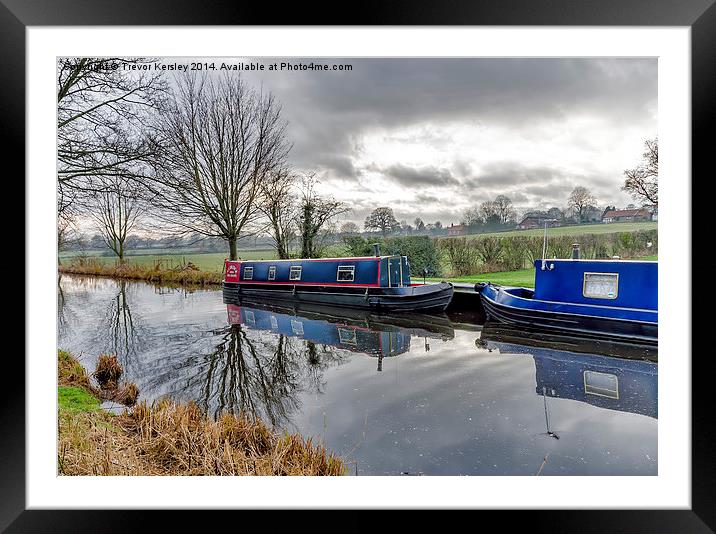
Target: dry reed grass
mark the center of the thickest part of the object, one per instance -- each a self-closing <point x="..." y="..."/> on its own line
<point x="169" y="438"/>
<point x="178" y="439"/>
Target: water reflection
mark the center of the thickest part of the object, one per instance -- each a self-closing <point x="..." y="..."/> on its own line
<point x="373" y="335"/>
<point x="623" y="384"/>
<point x="394" y="394"/>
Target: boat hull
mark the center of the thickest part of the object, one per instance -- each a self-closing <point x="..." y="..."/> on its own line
<point x="502" y="306"/>
<point x="433" y="298"/>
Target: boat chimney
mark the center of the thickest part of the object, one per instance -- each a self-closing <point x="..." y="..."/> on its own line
<point x="376" y="249"/>
<point x="575" y="251"/>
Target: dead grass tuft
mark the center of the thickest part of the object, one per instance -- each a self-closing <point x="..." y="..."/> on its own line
<point x="108" y="371"/>
<point x="125" y="393"/>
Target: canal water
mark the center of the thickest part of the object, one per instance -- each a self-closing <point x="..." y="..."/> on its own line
<point x="421" y="395"/>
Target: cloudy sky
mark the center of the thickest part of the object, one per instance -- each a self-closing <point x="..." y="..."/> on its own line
<point x="432" y="137"/>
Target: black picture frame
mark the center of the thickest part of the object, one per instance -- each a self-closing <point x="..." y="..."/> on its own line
<point x="699" y="15"/>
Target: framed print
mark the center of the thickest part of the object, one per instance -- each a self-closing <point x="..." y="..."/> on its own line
<point x="398" y="163"/>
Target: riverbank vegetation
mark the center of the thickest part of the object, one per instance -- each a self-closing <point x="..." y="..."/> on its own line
<point x="169" y="438"/>
<point x="187" y="274"/>
<point x="499" y="259"/>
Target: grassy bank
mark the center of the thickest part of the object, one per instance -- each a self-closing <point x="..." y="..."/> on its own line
<point x="168" y="438"/>
<point x="188" y="274"/>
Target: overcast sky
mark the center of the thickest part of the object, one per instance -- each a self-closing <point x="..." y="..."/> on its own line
<point x="432" y="137"/>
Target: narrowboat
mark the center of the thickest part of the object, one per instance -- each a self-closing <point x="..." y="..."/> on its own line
<point x="380" y="283"/>
<point x="605" y="299"/>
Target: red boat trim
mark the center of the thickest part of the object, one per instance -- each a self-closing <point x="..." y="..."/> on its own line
<point x="272" y="283"/>
<point x="298" y="260"/>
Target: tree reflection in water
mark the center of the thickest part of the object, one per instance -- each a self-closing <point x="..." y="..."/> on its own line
<point x="240" y="378"/>
<point x="261" y="374"/>
<point x="119" y="331"/>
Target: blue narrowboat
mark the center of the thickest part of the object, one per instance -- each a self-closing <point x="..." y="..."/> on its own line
<point x="380" y="283"/>
<point x="610" y="299"/>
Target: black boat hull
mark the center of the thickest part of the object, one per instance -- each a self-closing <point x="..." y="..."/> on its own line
<point x="432" y="298"/>
<point x="585" y="326"/>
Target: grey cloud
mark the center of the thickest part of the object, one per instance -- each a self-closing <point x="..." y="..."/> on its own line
<point x="427" y="176"/>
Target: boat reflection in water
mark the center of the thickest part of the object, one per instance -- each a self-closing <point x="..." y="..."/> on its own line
<point x="359" y="331"/>
<point x="578" y="370"/>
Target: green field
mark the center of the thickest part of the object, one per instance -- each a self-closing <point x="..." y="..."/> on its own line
<point x="577" y="230"/>
<point x="522" y="278"/>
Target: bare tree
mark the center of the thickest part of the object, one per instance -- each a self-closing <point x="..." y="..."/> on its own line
<point x="278" y="204"/>
<point x="115" y="210"/>
<point x="316" y="213"/>
<point x="504" y="209"/>
<point x="101" y="118"/>
<point x="382" y="219"/>
<point x="220" y="139"/>
<point x="581" y="201"/>
<point x="642" y="182"/>
<point x="472" y="217"/>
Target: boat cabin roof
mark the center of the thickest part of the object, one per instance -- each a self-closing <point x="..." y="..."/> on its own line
<point x="356" y="258"/>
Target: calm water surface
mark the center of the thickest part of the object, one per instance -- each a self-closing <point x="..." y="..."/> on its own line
<point x="425" y="395"/>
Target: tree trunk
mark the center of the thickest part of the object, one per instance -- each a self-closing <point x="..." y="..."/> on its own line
<point x="232" y="248"/>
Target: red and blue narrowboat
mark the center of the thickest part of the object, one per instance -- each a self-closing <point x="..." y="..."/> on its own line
<point x="606" y="299"/>
<point x="379" y="283"/>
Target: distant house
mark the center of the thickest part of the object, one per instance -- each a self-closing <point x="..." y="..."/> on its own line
<point x="457" y="230"/>
<point x="637" y="214"/>
<point x="531" y="222"/>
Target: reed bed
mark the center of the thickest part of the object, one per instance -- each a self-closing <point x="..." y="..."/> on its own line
<point x="169" y="438"/>
<point x="183" y="275"/>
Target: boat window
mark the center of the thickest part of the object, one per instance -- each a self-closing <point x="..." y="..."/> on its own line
<point x="347" y="336"/>
<point x="601" y="384"/>
<point x="601" y="285"/>
<point x="297" y="327"/>
<point x="346" y="273"/>
<point x="248" y="273"/>
<point x="295" y="273"/>
<point x="272" y="273"/>
<point x="274" y="323"/>
<point x="250" y="318"/>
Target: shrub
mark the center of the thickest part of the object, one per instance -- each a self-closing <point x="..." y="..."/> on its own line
<point x="460" y="255"/>
<point x="421" y="251"/>
<point x="357" y="245"/>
